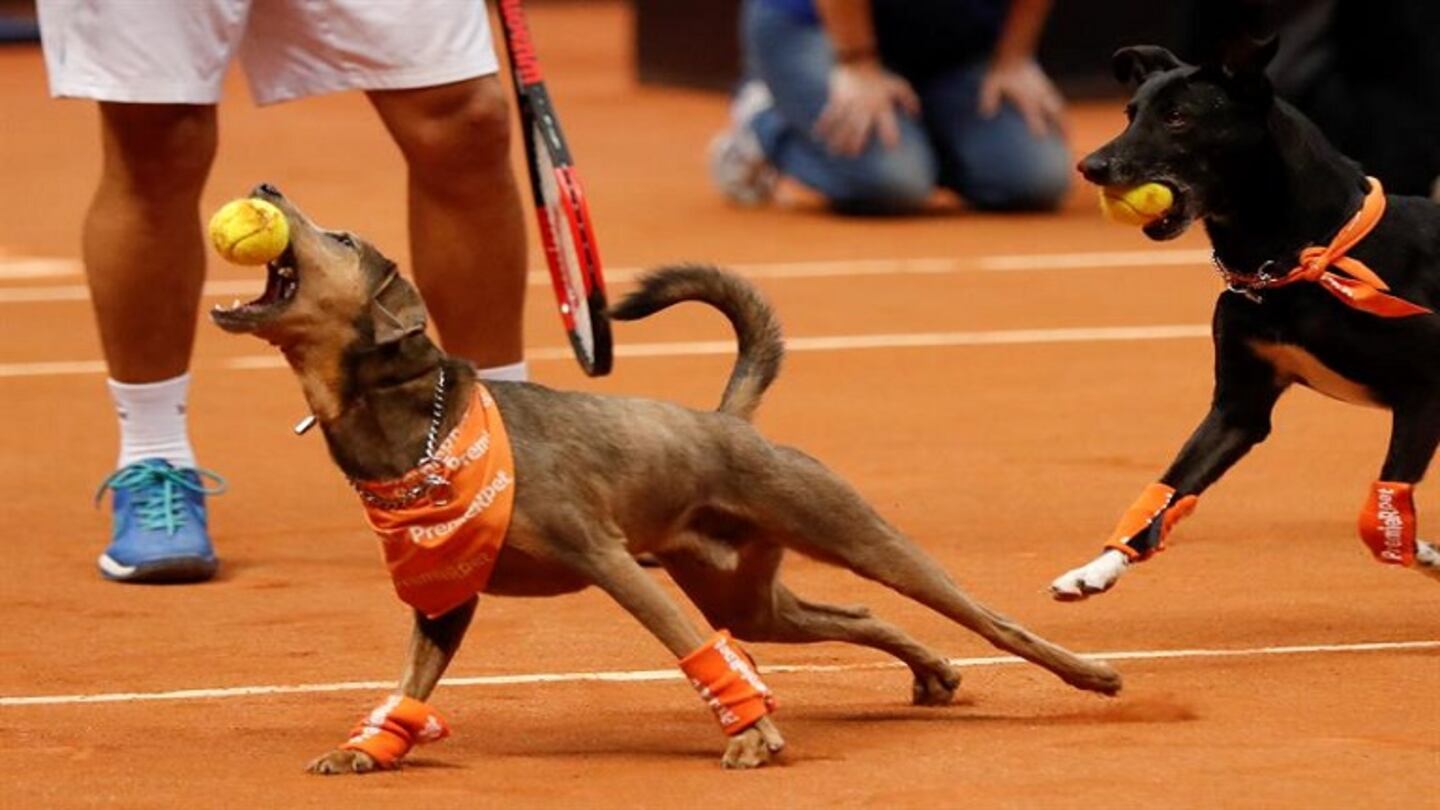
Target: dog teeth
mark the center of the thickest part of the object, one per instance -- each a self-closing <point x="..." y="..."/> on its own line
<point x="286" y="272"/>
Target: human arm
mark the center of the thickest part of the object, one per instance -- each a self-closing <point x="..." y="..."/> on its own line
<point x="863" y="95"/>
<point x="1014" y="73"/>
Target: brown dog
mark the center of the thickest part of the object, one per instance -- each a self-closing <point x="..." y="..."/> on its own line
<point x="601" y="479"/>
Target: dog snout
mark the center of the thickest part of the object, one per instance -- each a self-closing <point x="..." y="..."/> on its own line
<point x="1096" y="168"/>
<point x="268" y="191"/>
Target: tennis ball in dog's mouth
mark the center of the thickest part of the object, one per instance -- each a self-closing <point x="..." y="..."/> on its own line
<point x="1136" y="205"/>
<point x="249" y="231"/>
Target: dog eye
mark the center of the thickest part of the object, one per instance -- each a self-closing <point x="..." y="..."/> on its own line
<point x="1175" y="119"/>
<point x="344" y="238"/>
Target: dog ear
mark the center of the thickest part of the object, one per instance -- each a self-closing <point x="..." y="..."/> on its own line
<point x="1245" y="56"/>
<point x="1135" y="64"/>
<point x="396" y="309"/>
<point x="1240" y="35"/>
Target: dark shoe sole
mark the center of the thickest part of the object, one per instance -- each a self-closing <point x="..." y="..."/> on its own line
<point x="173" y="570"/>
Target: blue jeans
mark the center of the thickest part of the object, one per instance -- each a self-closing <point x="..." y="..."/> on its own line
<point x="994" y="163"/>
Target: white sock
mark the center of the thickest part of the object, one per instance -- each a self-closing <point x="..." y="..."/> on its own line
<point x="515" y="372"/>
<point x="152" y="421"/>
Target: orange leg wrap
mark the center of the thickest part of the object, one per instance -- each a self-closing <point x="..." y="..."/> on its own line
<point x="1156" y="503"/>
<point x="726" y="679"/>
<point x="1388" y="524"/>
<point x="394" y="727"/>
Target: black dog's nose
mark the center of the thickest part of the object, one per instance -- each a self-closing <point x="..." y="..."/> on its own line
<point x="1095" y="168"/>
<point x="267" y="190"/>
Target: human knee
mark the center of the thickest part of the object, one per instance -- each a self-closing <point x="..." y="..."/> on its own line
<point x="885" y="181"/>
<point x="159" y="149"/>
<point x="455" y="130"/>
<point x="1037" y="181"/>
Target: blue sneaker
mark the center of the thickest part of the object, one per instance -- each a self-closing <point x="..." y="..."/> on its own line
<point x="160" y="532"/>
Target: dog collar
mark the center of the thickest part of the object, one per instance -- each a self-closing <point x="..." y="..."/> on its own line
<point x="431" y="484"/>
<point x="1346" y="278"/>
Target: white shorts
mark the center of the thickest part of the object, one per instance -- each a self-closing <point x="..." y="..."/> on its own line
<point x="177" y="51"/>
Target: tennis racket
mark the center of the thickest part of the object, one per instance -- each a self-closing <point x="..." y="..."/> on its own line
<point x="565" y="229"/>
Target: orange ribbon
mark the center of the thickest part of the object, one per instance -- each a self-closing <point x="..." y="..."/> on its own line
<point x="1360" y="287"/>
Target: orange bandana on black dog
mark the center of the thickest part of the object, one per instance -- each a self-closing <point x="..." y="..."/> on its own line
<point x="442" y="550"/>
<point x="1356" y="285"/>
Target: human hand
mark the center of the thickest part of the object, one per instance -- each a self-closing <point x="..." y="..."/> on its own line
<point x="863" y="98"/>
<point x="1025" y="85"/>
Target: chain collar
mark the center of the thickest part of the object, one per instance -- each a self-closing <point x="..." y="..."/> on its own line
<point x="1246" y="284"/>
<point x="432" y="485"/>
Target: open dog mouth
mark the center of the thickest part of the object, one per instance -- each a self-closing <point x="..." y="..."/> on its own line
<point x="282" y="281"/>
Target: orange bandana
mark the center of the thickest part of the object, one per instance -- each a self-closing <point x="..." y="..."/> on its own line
<point x="441" y="548"/>
<point x="1359" y="287"/>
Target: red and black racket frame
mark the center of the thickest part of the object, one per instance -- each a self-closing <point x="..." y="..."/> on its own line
<point x="537" y="113"/>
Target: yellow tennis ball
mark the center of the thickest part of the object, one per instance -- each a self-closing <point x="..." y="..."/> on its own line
<point x="1136" y="205"/>
<point x="249" y="231"/>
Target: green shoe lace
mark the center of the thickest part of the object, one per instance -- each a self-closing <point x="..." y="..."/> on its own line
<point x="159" y="504"/>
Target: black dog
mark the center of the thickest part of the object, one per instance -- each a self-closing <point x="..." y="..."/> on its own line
<point x="1283" y="210"/>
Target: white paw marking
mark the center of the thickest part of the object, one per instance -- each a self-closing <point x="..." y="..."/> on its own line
<point x="1097" y="576"/>
<point x="1427" y="559"/>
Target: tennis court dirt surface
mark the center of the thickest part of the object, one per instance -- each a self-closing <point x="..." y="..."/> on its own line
<point x="999" y="387"/>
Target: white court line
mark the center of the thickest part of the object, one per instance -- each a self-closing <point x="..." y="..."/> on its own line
<point x="641" y="675"/>
<point x="1078" y="261"/>
<point x="243" y="288"/>
<point x="12" y="267"/>
<point x="699" y="348"/>
<point x="837" y="268"/>
<point x="52" y="369"/>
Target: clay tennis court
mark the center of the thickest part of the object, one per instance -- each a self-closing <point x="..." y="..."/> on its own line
<point x="1000" y="388"/>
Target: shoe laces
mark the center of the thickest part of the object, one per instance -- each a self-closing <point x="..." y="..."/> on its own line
<point x="158" y="492"/>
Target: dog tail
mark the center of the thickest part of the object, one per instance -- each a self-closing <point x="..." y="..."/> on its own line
<point x="756" y="327"/>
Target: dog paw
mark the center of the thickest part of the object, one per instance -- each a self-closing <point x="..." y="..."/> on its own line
<point x="1427" y="559"/>
<point x="935" y="687"/>
<point x="1097" y="677"/>
<point x="753" y="747"/>
<point x="1097" y="576"/>
<point x="342" y="760"/>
